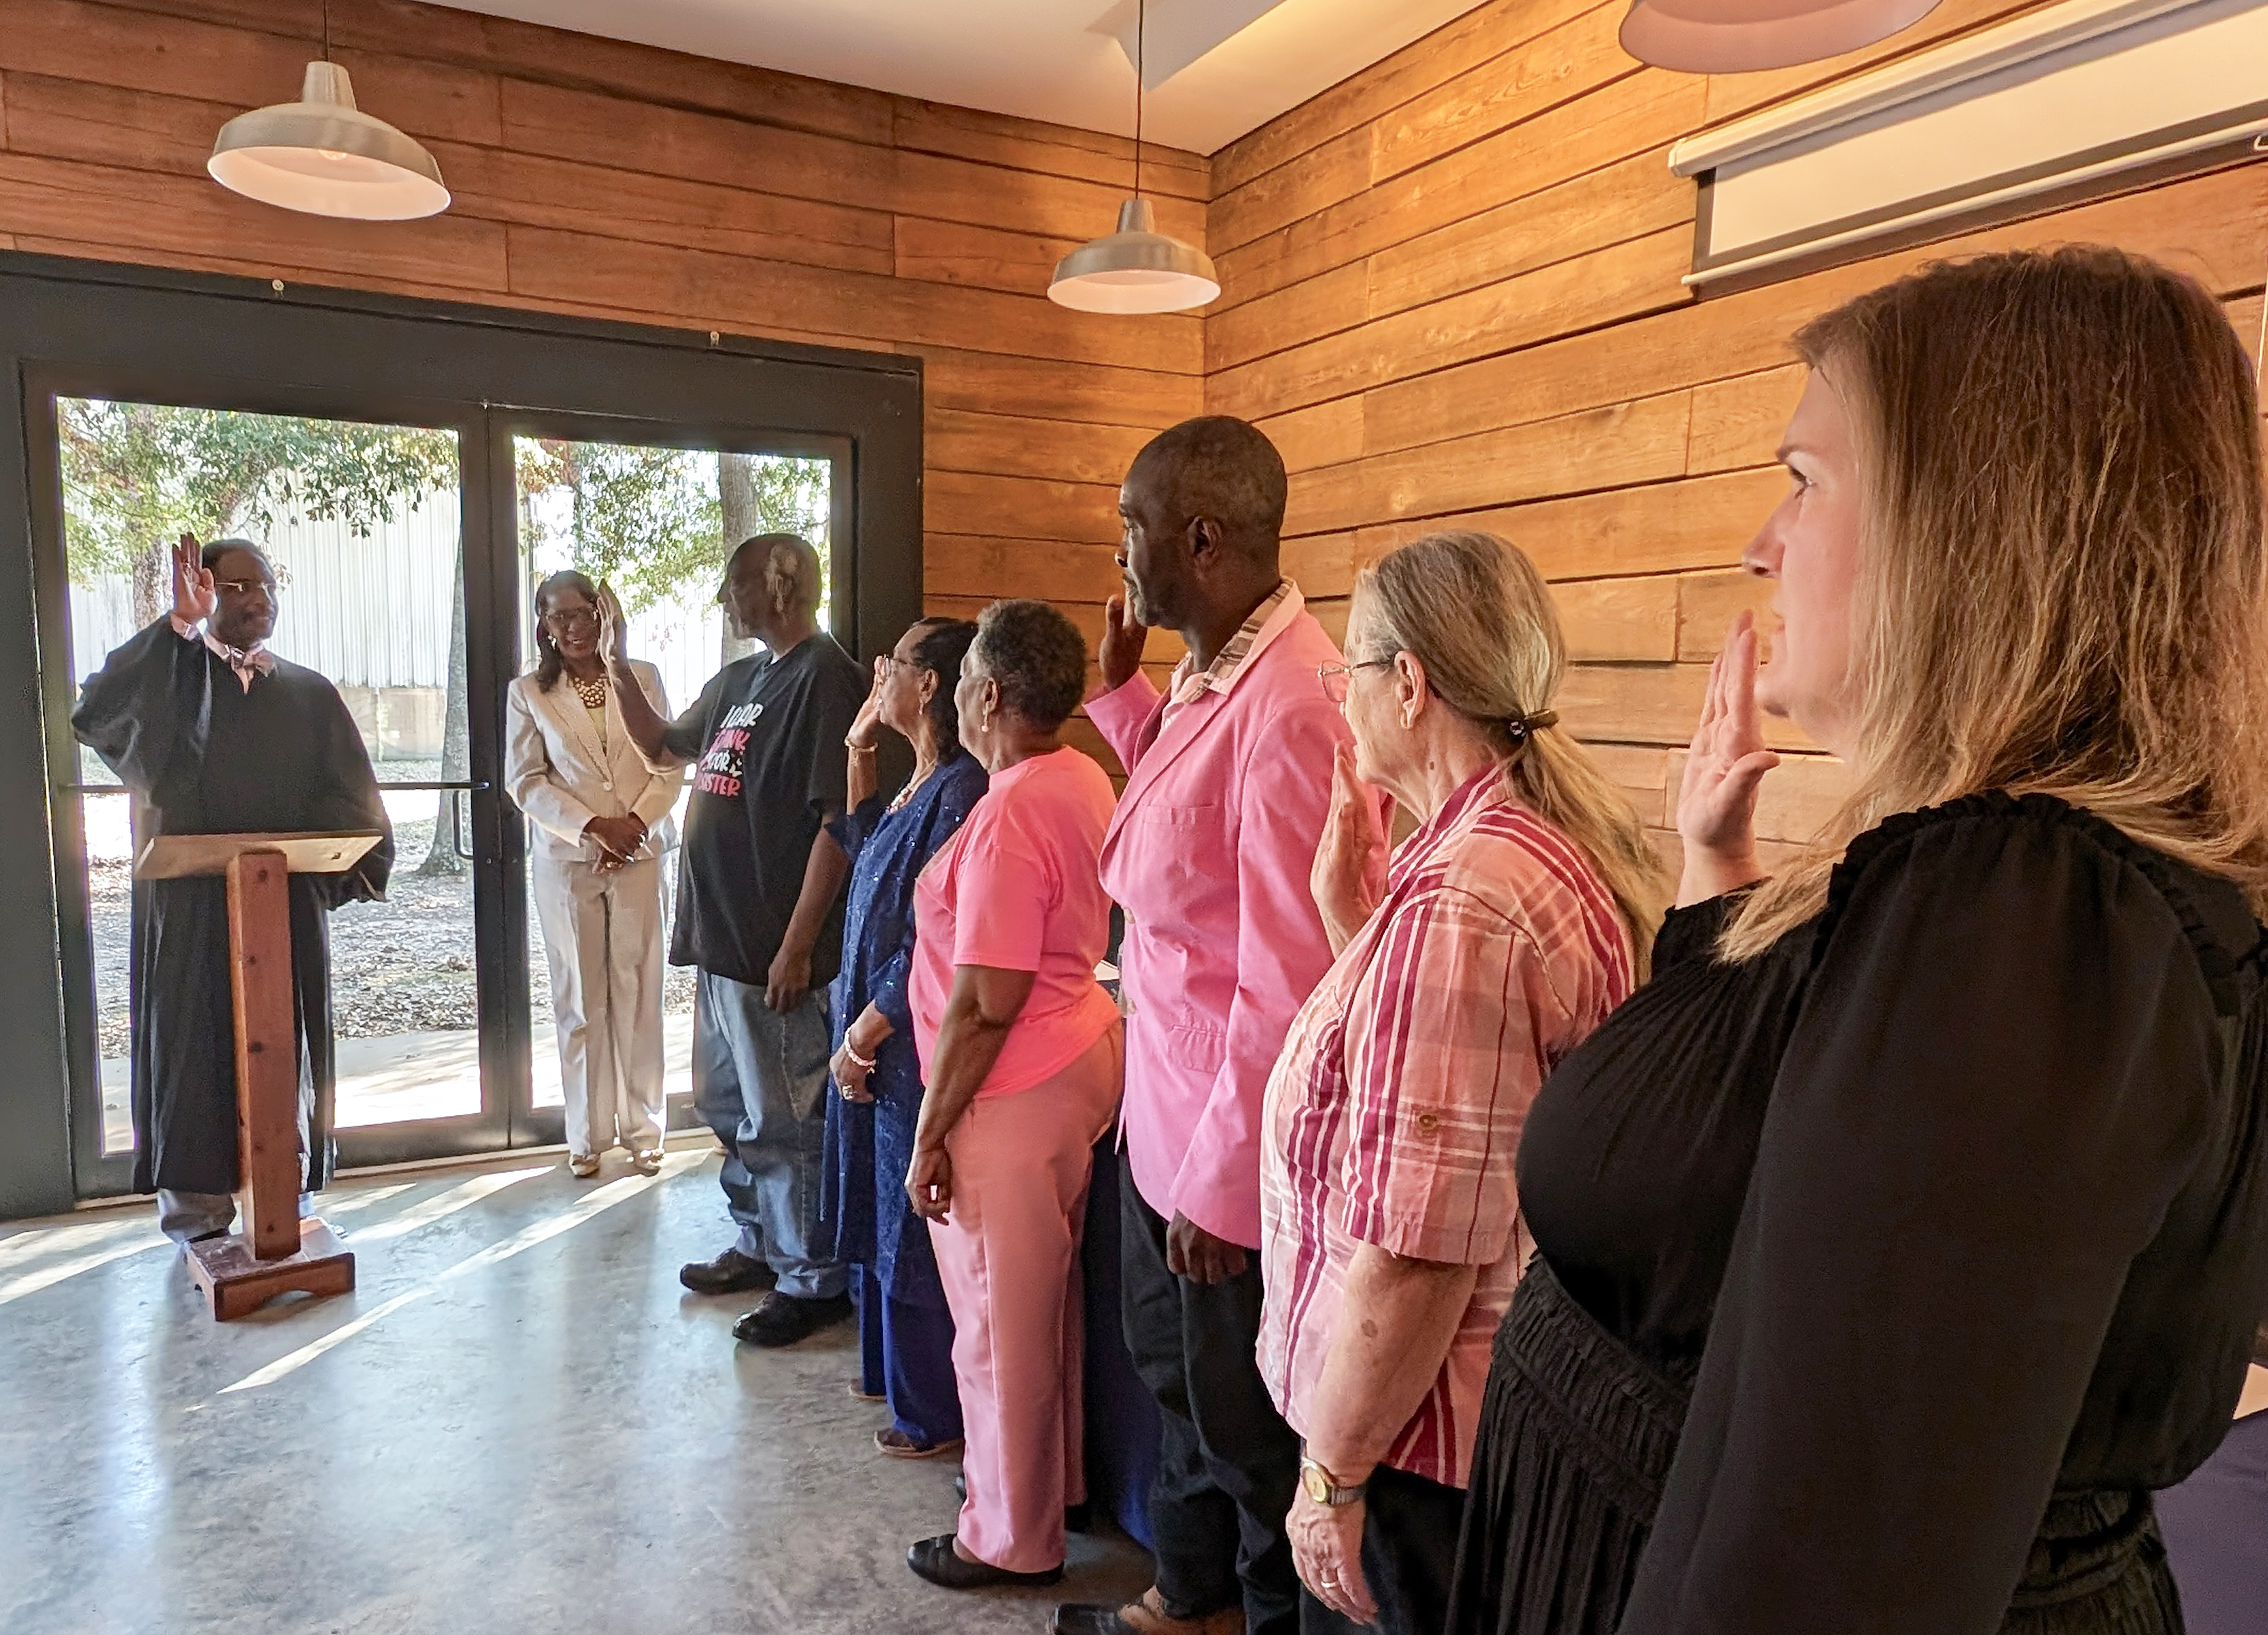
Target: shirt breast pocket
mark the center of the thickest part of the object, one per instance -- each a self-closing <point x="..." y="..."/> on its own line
<point x="1182" y="879"/>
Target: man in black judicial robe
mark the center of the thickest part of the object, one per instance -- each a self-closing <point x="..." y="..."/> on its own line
<point x="214" y="734"/>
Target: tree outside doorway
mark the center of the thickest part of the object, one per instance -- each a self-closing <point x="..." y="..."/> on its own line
<point x="342" y="501"/>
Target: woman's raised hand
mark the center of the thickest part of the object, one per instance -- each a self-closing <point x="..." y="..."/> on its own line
<point x="194" y="595"/>
<point x="1716" y="797"/>
<point x="863" y="725"/>
<point x="1349" y="876"/>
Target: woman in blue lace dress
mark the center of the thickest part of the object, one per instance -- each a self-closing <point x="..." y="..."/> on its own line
<point x="905" y="1331"/>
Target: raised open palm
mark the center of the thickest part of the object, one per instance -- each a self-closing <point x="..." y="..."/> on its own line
<point x="194" y="595"/>
<point x="1716" y="797"/>
<point x="613" y="629"/>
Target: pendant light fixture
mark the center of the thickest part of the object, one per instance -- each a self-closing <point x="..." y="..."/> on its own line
<point x="323" y="155"/>
<point x="1741" y="36"/>
<point x="1138" y="268"/>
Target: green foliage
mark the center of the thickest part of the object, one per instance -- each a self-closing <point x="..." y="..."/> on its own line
<point x="136" y="475"/>
<point x="651" y="522"/>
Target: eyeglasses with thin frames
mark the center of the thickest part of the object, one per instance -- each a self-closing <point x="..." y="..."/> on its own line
<point x="1337" y="678"/>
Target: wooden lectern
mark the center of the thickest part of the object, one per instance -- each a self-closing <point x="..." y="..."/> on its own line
<point x="276" y="1250"/>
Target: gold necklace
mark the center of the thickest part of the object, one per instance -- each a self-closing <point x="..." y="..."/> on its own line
<point x="592" y="693"/>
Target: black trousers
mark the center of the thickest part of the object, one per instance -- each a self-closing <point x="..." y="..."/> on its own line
<point x="1409" y="1556"/>
<point x="1227" y="1464"/>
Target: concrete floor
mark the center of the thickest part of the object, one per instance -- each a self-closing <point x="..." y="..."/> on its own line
<point x="397" y="1077"/>
<point x="518" y="1422"/>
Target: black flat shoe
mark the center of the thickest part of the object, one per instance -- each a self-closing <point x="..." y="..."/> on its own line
<point x="784" y="1319"/>
<point x="730" y="1274"/>
<point x="1078" y="1517"/>
<point x="933" y="1559"/>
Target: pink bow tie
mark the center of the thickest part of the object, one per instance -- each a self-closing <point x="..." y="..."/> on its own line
<point x="259" y="661"/>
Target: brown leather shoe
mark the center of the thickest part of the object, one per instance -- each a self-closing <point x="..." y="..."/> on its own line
<point x="1146" y="1617"/>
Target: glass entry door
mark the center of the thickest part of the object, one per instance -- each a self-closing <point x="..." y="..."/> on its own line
<point x="654" y="522"/>
<point x="362" y="523"/>
<point x="406" y="556"/>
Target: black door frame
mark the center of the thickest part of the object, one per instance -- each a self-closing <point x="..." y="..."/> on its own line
<point x="547" y="1126"/>
<point x="95" y="1173"/>
<point x="246" y="343"/>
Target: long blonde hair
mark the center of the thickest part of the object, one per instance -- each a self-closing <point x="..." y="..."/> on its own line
<point x="1475" y="614"/>
<point x="2061" y="587"/>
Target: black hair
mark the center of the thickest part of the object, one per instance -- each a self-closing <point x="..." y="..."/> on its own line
<point x="548" y="663"/>
<point x="1225" y="469"/>
<point x="1039" y="658"/>
<point x="939" y="648"/>
<point x="213" y="550"/>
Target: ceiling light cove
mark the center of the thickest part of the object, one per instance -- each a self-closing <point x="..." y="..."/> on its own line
<point x="1217" y="68"/>
<point x="1179" y="31"/>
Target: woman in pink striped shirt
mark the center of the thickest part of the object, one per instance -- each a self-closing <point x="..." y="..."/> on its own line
<point x="1507" y="926"/>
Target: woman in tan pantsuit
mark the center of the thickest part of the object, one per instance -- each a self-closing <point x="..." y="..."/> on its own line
<point x="596" y="875"/>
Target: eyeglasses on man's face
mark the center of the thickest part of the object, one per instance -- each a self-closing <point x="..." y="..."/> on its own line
<point x="245" y="587"/>
<point x="1336" y="678"/>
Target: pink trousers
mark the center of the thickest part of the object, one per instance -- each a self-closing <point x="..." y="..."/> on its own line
<point x="1008" y="1256"/>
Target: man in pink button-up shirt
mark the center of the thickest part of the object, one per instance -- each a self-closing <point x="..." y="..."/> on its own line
<point x="1229" y="778"/>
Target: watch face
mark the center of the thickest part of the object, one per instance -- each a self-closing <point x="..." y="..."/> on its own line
<point x="1317" y="1484"/>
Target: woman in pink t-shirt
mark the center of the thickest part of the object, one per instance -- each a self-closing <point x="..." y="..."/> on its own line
<point x="1021" y="1051"/>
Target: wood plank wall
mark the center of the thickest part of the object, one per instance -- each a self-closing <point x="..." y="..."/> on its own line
<point x="1451" y="293"/>
<point x="617" y="181"/>
<point x="1450" y="283"/>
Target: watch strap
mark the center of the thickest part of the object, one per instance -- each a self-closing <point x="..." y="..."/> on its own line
<point x="1333" y="1492"/>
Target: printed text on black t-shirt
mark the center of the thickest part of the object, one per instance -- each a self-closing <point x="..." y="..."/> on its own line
<point x="719" y="771"/>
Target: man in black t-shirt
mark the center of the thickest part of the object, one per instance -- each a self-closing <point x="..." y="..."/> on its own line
<point x="758" y="918"/>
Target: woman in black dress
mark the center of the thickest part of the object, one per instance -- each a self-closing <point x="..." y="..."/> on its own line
<point x="1910" y="1225"/>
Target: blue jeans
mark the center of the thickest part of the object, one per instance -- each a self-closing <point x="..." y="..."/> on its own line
<point x="758" y="1077"/>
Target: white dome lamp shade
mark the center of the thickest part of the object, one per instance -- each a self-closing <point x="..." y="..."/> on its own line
<point x="1741" y="36"/>
<point x="1136" y="270"/>
<point x="323" y="155"/>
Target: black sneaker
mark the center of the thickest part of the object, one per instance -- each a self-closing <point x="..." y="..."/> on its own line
<point x="730" y="1274"/>
<point x="784" y="1319"/>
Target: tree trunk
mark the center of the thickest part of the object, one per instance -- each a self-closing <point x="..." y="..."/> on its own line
<point x="736" y="495"/>
<point x="153" y="586"/>
<point x="456" y="752"/>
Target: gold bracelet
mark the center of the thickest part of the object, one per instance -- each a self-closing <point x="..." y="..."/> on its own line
<point x="859" y="749"/>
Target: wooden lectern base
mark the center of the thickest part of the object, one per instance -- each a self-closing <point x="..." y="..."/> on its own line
<point x="235" y="1283"/>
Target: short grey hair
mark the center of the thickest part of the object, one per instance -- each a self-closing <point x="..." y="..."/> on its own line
<point x="1037" y="656"/>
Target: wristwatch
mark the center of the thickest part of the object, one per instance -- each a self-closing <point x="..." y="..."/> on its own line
<point x="1326" y="1489"/>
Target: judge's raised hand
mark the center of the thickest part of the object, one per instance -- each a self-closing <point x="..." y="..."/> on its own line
<point x="1349" y="876"/>
<point x="1716" y="797"/>
<point x="1123" y="637"/>
<point x="194" y="595"/>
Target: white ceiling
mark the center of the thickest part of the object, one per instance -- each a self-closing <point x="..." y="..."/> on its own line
<point x="1217" y="68"/>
